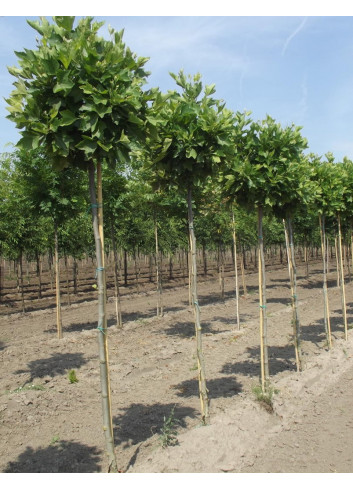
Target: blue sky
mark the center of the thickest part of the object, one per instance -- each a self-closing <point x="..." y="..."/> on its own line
<point x="296" y="68"/>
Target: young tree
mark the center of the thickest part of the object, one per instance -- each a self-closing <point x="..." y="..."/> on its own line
<point x="194" y="138"/>
<point x="80" y="97"/>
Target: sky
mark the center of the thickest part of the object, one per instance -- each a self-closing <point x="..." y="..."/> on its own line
<point x="295" y="67"/>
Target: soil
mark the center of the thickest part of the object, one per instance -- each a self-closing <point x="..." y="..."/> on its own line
<point x="48" y="424"/>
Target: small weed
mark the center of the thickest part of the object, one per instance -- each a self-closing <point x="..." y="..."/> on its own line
<point x="72" y="377"/>
<point x="345" y="353"/>
<point x="55" y="439"/>
<point x="195" y="367"/>
<point x="265" y="398"/>
<point x="168" y="431"/>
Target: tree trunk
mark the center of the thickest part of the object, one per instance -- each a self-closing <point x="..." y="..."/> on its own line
<point x="158" y="273"/>
<point x="125" y="267"/>
<point x="265" y="376"/>
<point x="38" y="270"/>
<point x="119" y="321"/>
<point x="20" y="274"/>
<point x="293" y="282"/>
<point x="67" y="282"/>
<point x="343" y="292"/>
<point x="57" y="283"/>
<point x="102" y="320"/>
<point x="242" y="269"/>
<point x="198" y="331"/>
<point x="236" y="271"/>
<point x="204" y="256"/>
<point x="327" y="322"/>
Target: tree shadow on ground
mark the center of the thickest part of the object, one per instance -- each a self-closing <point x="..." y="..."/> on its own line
<point x="57" y="364"/>
<point x="2" y="346"/>
<point x="63" y="457"/>
<point x="232" y="321"/>
<point x="139" y="422"/>
<point x="316" y="332"/>
<point x="186" y="329"/>
<point x="222" y="387"/>
<point x="77" y="327"/>
<point x="280" y="359"/>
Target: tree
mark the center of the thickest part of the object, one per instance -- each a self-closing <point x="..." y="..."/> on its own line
<point x="262" y="175"/>
<point x="80" y="97"/>
<point x="194" y="137"/>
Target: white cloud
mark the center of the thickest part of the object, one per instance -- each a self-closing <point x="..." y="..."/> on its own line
<point x="293" y="34"/>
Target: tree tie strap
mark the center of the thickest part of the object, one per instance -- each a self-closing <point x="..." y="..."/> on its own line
<point x="263" y="307"/>
<point x="94" y="206"/>
<point x="197" y="305"/>
<point x="99" y="269"/>
<point x="101" y="329"/>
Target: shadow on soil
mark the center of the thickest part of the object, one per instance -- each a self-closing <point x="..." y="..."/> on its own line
<point x="280" y="358"/>
<point x="63" y="457"/>
<point x="140" y="421"/>
<point x="2" y="346"/>
<point x="57" y="364"/>
<point x="186" y="329"/>
<point x="222" y="387"/>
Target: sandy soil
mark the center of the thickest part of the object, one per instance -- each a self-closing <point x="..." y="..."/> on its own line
<point x="56" y="426"/>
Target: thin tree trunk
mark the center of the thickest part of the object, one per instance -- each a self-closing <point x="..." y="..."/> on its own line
<point x="343" y="292"/>
<point x="158" y="273"/>
<point x="198" y="331"/>
<point x="327" y="322"/>
<point x="125" y="267"/>
<point x="102" y="321"/>
<point x="337" y="262"/>
<point x="57" y="283"/>
<point x="119" y="321"/>
<point x="265" y="375"/>
<point x="236" y="271"/>
<point x="21" y="282"/>
<point x="38" y="270"/>
<point x="204" y="260"/>
<point x="293" y="282"/>
<point x="242" y="269"/>
<point x="67" y="282"/>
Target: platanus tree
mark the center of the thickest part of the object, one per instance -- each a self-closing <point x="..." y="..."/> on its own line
<point x="79" y="97"/>
<point x="194" y="138"/>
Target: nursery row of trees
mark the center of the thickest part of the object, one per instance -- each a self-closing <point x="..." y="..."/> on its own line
<point x="163" y="164"/>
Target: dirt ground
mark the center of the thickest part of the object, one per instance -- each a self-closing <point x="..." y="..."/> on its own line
<point x="48" y="424"/>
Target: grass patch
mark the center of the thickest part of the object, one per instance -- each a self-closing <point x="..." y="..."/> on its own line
<point x="265" y="398"/>
<point x="168" y="436"/>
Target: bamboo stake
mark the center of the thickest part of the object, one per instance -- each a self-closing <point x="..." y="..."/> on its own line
<point x="102" y="322"/>
<point x="198" y="331"/>
<point x="236" y="271"/>
<point x="327" y="322"/>
<point x="343" y="292"/>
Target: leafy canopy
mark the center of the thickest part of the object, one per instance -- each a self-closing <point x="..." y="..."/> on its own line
<point x="78" y="94"/>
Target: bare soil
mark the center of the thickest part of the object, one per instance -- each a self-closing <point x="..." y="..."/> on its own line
<point x="48" y="424"/>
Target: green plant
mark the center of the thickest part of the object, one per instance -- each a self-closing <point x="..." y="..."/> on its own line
<point x="265" y="398"/>
<point x="72" y="376"/>
<point x="168" y="431"/>
<point x="54" y="440"/>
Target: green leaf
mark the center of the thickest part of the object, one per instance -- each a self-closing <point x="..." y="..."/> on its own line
<point x="67" y="118"/>
<point x="64" y="21"/>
